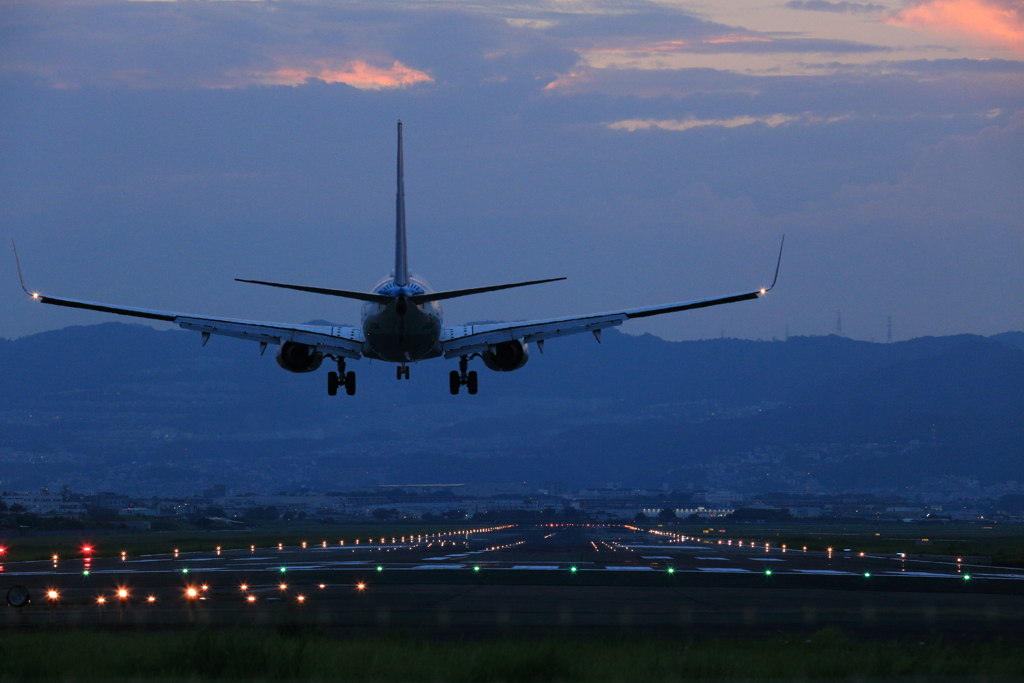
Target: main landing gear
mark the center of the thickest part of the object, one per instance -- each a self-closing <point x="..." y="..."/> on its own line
<point x="341" y="379"/>
<point x="460" y="378"/>
<point x="403" y="371"/>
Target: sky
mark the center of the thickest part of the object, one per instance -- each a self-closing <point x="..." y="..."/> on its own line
<point x="650" y="152"/>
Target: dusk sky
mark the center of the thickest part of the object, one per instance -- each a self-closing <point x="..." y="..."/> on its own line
<point x="650" y="152"/>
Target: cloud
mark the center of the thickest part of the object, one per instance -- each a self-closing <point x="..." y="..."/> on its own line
<point x="633" y="125"/>
<point x="998" y="22"/>
<point x="733" y="43"/>
<point x="356" y="73"/>
<point x="842" y="7"/>
<point x="237" y="44"/>
<point x="964" y="182"/>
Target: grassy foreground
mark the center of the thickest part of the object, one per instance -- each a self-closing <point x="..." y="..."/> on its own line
<point x="254" y="655"/>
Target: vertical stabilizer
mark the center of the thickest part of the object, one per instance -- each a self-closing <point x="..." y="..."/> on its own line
<point x="401" y="253"/>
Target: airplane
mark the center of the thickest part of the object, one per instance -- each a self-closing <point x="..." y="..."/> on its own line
<point x="401" y="322"/>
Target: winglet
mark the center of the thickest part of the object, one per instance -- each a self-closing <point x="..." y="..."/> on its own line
<point x="777" y="264"/>
<point x="17" y="262"/>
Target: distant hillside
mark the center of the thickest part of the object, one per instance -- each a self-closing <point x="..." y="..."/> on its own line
<point x="128" y="408"/>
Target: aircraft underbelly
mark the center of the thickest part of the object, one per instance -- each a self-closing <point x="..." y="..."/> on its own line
<point x="402" y="338"/>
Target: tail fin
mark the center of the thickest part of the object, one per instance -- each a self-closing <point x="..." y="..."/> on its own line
<point x="401" y="252"/>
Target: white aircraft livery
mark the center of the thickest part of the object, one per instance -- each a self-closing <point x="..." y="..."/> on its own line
<point x="401" y="323"/>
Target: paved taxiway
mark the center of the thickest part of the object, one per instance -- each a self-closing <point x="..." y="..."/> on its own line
<point x="534" y="580"/>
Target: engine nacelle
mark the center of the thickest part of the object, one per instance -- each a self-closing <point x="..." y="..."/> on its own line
<point x="296" y="357"/>
<point x="506" y="356"/>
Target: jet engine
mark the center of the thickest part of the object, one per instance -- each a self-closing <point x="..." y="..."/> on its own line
<point x="296" y="357"/>
<point x="506" y="356"/>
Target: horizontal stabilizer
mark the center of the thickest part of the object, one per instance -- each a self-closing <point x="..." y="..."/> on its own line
<point x="438" y="296"/>
<point x="361" y="296"/>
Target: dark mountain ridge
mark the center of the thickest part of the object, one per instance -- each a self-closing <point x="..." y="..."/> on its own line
<point x="129" y="407"/>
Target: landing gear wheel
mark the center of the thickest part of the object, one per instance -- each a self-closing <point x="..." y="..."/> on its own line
<point x="454" y="382"/>
<point x="332" y="383"/>
<point x="350" y="383"/>
<point x="402" y="371"/>
<point x="471" y="385"/>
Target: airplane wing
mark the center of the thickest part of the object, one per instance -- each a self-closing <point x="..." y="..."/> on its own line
<point x="339" y="340"/>
<point x="468" y="339"/>
<point x="333" y="339"/>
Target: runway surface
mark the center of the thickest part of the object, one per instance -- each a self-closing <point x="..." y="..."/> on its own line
<point x="532" y="580"/>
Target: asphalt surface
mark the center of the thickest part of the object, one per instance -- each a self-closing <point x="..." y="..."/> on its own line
<point x="532" y="581"/>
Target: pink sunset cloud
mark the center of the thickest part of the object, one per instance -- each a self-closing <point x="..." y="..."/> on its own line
<point x="991" y="21"/>
<point x="356" y="73"/>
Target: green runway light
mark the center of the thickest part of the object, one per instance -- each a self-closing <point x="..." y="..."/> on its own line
<point x="85" y="573"/>
<point x="671" y="570"/>
<point x="572" y="569"/>
<point x="967" y="577"/>
<point x="867" y="575"/>
<point x="767" y="572"/>
<point x="380" y="568"/>
<point x="284" y="569"/>
<point x="185" y="570"/>
<point x="476" y="568"/>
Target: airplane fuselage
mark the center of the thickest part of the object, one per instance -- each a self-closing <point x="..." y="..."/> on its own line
<point x="400" y="331"/>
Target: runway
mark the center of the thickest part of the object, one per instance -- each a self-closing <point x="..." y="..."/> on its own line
<point x="559" y="579"/>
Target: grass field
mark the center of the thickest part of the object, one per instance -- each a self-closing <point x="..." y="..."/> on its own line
<point x="270" y="655"/>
